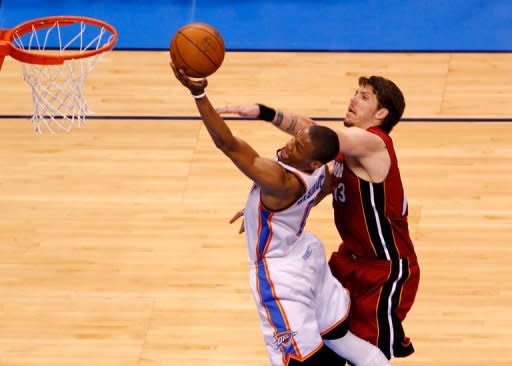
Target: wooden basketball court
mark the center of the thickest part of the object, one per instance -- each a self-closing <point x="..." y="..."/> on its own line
<point x="115" y="247"/>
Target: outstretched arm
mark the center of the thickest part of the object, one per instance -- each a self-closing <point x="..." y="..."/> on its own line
<point x="369" y="149"/>
<point x="270" y="175"/>
<point x="287" y="122"/>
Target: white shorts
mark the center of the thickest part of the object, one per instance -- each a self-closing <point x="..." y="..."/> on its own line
<point x="298" y="300"/>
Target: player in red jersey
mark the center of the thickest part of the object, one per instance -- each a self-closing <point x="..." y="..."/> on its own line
<point x="376" y="260"/>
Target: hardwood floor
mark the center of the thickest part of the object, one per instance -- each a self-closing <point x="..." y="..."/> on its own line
<point x="115" y="247"/>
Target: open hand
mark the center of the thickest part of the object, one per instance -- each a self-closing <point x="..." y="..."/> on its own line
<point x="244" y="110"/>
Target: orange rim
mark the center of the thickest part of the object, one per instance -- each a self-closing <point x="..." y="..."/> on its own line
<point x="3" y="47"/>
<point x="8" y="48"/>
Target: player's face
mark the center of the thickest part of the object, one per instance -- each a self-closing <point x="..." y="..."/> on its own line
<point x="298" y="151"/>
<point x="362" y="108"/>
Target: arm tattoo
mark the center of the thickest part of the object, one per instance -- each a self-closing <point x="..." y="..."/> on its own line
<point x="279" y="119"/>
<point x="293" y="123"/>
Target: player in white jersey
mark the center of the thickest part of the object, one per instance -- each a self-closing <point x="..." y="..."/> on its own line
<point x="282" y="228"/>
<point x="298" y="299"/>
<point x="302" y="307"/>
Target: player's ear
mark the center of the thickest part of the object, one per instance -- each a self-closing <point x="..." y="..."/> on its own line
<point x="381" y="113"/>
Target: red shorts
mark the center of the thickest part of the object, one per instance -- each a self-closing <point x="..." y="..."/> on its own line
<point x="381" y="295"/>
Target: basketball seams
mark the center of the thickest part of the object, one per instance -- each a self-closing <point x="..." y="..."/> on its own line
<point x="178" y="53"/>
<point x="212" y="32"/>
<point x="199" y="49"/>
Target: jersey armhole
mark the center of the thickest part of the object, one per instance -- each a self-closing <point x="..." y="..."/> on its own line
<point x="301" y="180"/>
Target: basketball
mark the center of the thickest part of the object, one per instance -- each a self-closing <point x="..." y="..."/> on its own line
<point x="198" y="49"/>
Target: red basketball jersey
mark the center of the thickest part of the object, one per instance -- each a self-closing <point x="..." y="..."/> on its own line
<point x="372" y="217"/>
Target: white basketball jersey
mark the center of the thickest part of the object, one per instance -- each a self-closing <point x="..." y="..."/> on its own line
<point x="271" y="234"/>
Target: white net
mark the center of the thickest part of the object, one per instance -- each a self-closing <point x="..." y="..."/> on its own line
<point x="58" y="90"/>
<point x="57" y="93"/>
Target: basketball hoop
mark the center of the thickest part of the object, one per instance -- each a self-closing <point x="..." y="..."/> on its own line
<point x="57" y="55"/>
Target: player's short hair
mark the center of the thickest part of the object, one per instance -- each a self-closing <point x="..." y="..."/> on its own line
<point x="389" y="96"/>
<point x="325" y="142"/>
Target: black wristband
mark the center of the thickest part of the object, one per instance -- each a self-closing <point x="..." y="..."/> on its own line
<point x="266" y="113"/>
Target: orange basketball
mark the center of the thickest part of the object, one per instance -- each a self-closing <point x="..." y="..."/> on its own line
<point x="198" y="49"/>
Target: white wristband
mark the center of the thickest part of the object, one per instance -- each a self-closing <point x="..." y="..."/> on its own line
<point x="199" y="96"/>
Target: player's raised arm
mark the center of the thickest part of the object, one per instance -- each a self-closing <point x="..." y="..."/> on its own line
<point x="285" y="121"/>
<point x="269" y="174"/>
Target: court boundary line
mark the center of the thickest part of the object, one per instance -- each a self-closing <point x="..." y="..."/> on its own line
<point x="233" y="118"/>
<point x="324" y="50"/>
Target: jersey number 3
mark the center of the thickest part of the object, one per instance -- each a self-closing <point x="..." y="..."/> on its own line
<point x="339" y="193"/>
